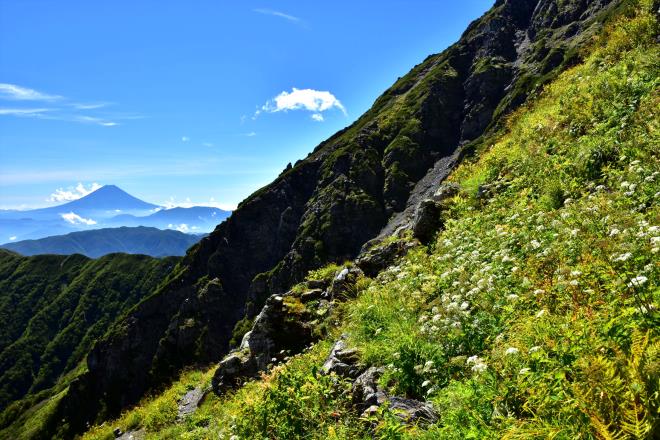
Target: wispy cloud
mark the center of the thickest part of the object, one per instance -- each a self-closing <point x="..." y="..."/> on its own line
<point x="18" y="93"/>
<point x="181" y="228"/>
<point x="59" y="108"/>
<point x="75" y="219"/>
<point x="251" y="134"/>
<point x="207" y="144"/>
<point x="212" y="203"/>
<point x="185" y="139"/>
<point x="94" y="120"/>
<point x="27" y="112"/>
<point x="72" y="193"/>
<point x="91" y="106"/>
<point x="274" y="13"/>
<point x="302" y="99"/>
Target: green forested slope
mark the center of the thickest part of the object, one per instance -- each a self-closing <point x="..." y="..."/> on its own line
<point x="55" y="307"/>
<point x="533" y="314"/>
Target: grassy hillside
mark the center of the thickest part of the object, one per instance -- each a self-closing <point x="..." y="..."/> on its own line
<point x="54" y="308"/>
<point x="534" y="314"/>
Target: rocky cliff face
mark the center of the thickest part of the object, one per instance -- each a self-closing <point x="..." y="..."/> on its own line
<point x="343" y="194"/>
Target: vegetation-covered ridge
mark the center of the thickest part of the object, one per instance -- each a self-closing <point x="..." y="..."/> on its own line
<point x="54" y="308"/>
<point x="98" y="242"/>
<point x="534" y="312"/>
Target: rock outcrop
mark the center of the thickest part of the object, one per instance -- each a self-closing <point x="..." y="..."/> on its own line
<point x="367" y="395"/>
<point x="364" y="182"/>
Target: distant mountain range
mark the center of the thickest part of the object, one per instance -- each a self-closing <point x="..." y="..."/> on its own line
<point x="99" y="242"/>
<point x="109" y="206"/>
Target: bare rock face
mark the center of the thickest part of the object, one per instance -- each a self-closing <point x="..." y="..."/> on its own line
<point x="190" y="402"/>
<point x="376" y="255"/>
<point x="273" y="334"/>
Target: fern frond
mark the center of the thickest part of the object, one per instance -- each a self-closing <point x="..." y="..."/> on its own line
<point x="603" y="430"/>
<point x="635" y="423"/>
<point x="639" y="343"/>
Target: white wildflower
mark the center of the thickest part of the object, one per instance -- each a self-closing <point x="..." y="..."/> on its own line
<point x="541" y="313"/>
<point x="511" y="351"/>
<point x="614" y="232"/>
<point x="638" y="281"/>
<point x="479" y="368"/>
<point x="534" y="349"/>
<point x="539" y="292"/>
<point x="524" y="370"/>
<point x="574" y="283"/>
<point x="623" y="257"/>
<point x="426" y="383"/>
<point x="512" y="297"/>
<point x="473" y="359"/>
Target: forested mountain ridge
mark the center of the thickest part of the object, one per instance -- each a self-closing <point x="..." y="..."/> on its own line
<point x="98" y="242"/>
<point x="55" y="307"/>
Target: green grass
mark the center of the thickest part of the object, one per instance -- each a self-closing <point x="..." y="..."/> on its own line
<point x="535" y="312"/>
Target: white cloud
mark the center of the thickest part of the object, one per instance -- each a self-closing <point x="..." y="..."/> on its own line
<point x="185" y="138"/>
<point x="207" y="144"/>
<point x="94" y="120"/>
<point x="23" y="111"/>
<point x="64" y="109"/>
<point x="181" y="228"/>
<point x="13" y="238"/>
<point x="251" y="134"/>
<point x="302" y="99"/>
<point x="18" y="93"/>
<point x="277" y="14"/>
<point x="94" y="106"/>
<point x="62" y="195"/>
<point x="75" y="219"/>
<point x="317" y="117"/>
<point x="211" y="203"/>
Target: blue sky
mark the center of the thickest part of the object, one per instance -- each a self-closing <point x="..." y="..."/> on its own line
<point x="193" y="102"/>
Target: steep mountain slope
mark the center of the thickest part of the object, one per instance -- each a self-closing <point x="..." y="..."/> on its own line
<point x="328" y="205"/>
<point x="533" y="313"/>
<point x="99" y="242"/>
<point x="55" y="307"/>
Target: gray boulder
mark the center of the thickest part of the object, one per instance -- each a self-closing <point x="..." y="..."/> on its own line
<point x="343" y="285"/>
<point x="376" y="256"/>
<point x="426" y="220"/>
<point x="342" y="361"/>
